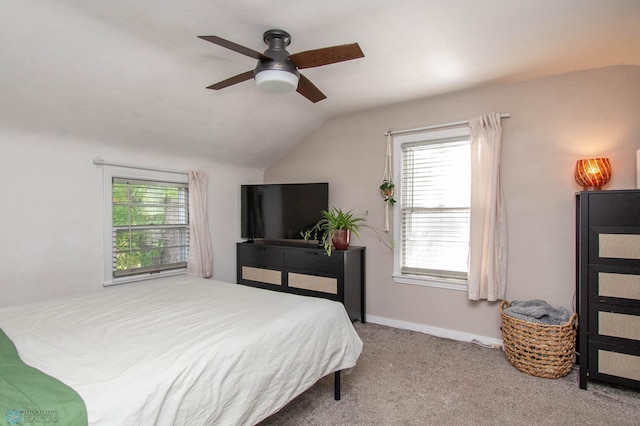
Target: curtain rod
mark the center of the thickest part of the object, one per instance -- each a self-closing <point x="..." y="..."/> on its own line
<point x="436" y="126"/>
<point x="101" y="162"/>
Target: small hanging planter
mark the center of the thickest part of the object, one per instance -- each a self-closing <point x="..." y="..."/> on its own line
<point x="387" y="186"/>
<point x="387" y="189"/>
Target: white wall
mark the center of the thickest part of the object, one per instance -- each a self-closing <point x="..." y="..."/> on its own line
<point x="52" y="213"/>
<point x="554" y="122"/>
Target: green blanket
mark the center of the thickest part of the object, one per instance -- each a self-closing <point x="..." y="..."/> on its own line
<point x="28" y="396"/>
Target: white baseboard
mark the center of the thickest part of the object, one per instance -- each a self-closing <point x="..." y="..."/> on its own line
<point x="437" y="331"/>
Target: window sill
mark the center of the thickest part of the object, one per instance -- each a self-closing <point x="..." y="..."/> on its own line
<point x="143" y="277"/>
<point x="438" y="282"/>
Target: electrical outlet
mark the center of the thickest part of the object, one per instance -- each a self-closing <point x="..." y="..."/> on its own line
<point x="480" y="343"/>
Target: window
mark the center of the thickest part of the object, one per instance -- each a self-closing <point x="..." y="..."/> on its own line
<point x="433" y="212"/>
<point x="146" y="224"/>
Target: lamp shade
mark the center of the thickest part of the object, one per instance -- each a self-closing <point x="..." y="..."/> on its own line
<point x="593" y="173"/>
<point x="276" y="81"/>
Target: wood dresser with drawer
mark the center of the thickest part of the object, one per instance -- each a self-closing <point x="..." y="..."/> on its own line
<point x="305" y="269"/>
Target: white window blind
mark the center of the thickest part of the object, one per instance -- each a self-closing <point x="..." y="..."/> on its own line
<point x="435" y="207"/>
<point x="150" y="226"/>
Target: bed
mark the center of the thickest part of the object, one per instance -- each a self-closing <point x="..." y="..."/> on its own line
<point x="183" y="350"/>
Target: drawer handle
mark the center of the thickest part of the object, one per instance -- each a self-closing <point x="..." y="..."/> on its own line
<point x="311" y="253"/>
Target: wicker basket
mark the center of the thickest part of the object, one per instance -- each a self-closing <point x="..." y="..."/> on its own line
<point x="539" y="349"/>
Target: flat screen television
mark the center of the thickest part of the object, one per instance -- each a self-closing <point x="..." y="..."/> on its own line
<point x="281" y="211"/>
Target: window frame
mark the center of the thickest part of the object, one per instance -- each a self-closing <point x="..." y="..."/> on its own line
<point x="398" y="276"/>
<point x="109" y="173"/>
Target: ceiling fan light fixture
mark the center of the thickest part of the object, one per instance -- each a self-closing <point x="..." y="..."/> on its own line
<point x="276" y="81"/>
<point x="277" y="71"/>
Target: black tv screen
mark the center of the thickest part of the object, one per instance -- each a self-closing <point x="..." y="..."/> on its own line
<point x="281" y="211"/>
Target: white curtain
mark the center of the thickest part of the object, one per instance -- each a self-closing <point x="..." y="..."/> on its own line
<point x="200" y="261"/>
<point x="488" y="238"/>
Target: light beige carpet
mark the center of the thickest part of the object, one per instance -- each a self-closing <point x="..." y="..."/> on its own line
<point x="410" y="378"/>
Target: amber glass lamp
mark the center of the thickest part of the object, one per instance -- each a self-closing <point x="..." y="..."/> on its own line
<point x="593" y="173"/>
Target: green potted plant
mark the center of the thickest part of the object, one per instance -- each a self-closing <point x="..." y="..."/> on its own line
<point x="387" y="189"/>
<point x="334" y="229"/>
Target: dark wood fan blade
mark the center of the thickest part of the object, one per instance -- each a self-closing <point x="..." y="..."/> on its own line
<point x="235" y="47"/>
<point x="326" y="56"/>
<point x="233" y="80"/>
<point x="309" y="91"/>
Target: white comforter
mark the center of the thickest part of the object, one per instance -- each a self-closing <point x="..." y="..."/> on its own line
<point x="184" y="351"/>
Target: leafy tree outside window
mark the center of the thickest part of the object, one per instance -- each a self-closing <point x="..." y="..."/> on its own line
<point x="150" y="226"/>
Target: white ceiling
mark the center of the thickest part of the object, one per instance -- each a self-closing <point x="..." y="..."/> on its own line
<point x="133" y="72"/>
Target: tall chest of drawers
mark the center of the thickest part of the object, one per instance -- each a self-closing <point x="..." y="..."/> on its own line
<point x="608" y="286"/>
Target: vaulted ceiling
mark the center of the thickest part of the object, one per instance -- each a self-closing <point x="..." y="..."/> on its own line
<point x="133" y="73"/>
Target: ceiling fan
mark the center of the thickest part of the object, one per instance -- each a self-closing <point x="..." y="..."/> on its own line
<point x="277" y="70"/>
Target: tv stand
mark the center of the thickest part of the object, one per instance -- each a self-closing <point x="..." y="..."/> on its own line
<point x="305" y="269"/>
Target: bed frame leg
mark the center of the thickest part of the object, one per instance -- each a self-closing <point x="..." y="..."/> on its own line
<point x="336" y="381"/>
